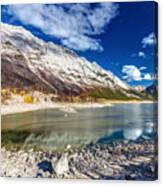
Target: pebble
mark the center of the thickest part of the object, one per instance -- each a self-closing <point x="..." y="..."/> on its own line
<point x="62" y="166"/>
<point x="118" y="160"/>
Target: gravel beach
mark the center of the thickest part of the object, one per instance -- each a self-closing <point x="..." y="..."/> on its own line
<point x="120" y="160"/>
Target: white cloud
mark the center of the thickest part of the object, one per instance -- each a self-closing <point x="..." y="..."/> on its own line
<point x="74" y="24"/>
<point x="147" y="76"/>
<point x="141" y="54"/>
<point x="142" y="68"/>
<point x="133" y="73"/>
<point x="149" y="40"/>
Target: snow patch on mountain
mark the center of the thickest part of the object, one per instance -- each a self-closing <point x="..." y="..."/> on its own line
<point x="49" y="61"/>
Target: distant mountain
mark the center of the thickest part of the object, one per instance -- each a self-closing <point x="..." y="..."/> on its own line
<point x="139" y="88"/>
<point x="152" y="90"/>
<point x="29" y="62"/>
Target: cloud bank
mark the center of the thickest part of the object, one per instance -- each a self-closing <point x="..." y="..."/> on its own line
<point x="75" y="25"/>
<point x="132" y="73"/>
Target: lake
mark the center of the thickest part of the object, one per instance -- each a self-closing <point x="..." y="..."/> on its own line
<point x="53" y="128"/>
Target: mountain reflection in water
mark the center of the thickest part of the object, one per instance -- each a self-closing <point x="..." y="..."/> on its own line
<point x="50" y="128"/>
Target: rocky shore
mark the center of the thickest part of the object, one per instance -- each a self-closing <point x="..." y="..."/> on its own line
<point x="120" y="160"/>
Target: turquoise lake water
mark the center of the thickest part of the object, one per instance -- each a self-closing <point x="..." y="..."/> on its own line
<point x="54" y="128"/>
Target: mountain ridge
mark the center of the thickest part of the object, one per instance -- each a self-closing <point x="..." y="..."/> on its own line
<point x="28" y="61"/>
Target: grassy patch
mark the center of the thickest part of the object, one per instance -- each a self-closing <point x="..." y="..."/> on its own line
<point x="109" y="94"/>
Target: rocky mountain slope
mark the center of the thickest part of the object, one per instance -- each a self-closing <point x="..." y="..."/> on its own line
<point x="29" y="62"/>
<point x="152" y="90"/>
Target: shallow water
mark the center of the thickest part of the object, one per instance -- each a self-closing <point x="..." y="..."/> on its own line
<point x="54" y="128"/>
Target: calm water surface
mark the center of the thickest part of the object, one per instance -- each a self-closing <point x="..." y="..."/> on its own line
<point x="54" y="128"/>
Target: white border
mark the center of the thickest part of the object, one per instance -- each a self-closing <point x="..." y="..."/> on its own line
<point x="30" y="181"/>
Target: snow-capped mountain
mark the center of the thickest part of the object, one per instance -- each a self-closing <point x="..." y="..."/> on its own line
<point x="31" y="62"/>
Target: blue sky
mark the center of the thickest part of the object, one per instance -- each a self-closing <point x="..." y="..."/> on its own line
<point x="121" y="37"/>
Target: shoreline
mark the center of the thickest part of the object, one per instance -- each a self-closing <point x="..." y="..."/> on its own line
<point x="67" y="107"/>
<point x="119" y="160"/>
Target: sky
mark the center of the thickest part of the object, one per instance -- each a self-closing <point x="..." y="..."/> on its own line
<point x="121" y="37"/>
